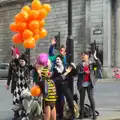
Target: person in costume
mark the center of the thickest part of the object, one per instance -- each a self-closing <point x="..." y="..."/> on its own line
<point x="62" y="86"/>
<point x="22" y="82"/>
<point x="41" y="77"/>
<point x="12" y="76"/>
<point x="62" y="52"/>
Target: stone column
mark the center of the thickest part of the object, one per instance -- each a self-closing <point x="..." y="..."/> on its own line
<point x="117" y="57"/>
<point x="87" y="24"/>
<point x="107" y="33"/>
<point x="107" y="38"/>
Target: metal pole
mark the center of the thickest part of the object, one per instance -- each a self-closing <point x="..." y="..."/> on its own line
<point x="28" y="56"/>
<point x="69" y="43"/>
<point x="69" y="17"/>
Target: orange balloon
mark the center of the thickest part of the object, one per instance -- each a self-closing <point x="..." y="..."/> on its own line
<point x="34" y="14"/>
<point x="13" y="27"/>
<point x="43" y="33"/>
<point x="33" y="25"/>
<point x="17" y="38"/>
<point x="37" y="31"/>
<point x="47" y="7"/>
<point x="37" y="36"/>
<point x="26" y="8"/>
<point x="24" y="15"/>
<point x="21" y="17"/>
<point x="42" y="23"/>
<point x="27" y="34"/>
<point x="29" y="43"/>
<point x="36" y="5"/>
<point x="21" y="26"/>
<point x="35" y="91"/>
<point x="42" y="14"/>
<point x="18" y="18"/>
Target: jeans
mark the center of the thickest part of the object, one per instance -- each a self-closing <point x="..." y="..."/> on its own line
<point x="90" y="91"/>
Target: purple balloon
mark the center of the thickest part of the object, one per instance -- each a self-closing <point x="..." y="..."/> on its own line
<point x="42" y="59"/>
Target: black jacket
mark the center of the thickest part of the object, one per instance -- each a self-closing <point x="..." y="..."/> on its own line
<point x="81" y="74"/>
<point x="13" y="68"/>
<point x="58" y="77"/>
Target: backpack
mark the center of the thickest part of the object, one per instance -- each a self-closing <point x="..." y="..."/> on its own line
<point x="66" y="110"/>
<point x="88" y="112"/>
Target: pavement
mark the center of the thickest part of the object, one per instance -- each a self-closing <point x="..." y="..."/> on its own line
<point x="107" y="98"/>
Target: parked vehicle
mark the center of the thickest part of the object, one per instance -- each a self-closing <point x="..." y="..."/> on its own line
<point x="4" y="68"/>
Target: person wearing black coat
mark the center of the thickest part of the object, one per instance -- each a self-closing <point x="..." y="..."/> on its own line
<point x="12" y="76"/>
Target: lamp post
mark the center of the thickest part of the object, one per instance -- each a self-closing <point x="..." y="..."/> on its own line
<point x="28" y="56"/>
<point x="69" y="43"/>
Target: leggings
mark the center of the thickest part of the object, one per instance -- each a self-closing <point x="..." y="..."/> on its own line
<point x="63" y="89"/>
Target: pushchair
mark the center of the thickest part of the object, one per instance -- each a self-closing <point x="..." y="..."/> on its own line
<point x="31" y="107"/>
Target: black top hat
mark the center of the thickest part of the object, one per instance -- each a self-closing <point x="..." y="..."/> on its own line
<point x="24" y="57"/>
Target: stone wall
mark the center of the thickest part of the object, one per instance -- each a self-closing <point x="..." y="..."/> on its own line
<point x="55" y="22"/>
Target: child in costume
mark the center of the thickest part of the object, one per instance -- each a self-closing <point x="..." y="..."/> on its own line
<point x="41" y="77"/>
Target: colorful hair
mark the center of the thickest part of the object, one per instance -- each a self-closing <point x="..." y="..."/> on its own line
<point x="42" y="59"/>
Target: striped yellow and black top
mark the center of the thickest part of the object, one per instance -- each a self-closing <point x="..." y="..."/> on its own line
<point x="51" y="89"/>
<point x="45" y="73"/>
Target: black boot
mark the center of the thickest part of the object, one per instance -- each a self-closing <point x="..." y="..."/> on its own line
<point x="16" y="115"/>
<point x="81" y="116"/>
<point x="94" y="116"/>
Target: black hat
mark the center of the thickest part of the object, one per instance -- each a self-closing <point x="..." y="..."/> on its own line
<point x="60" y="56"/>
<point x="23" y="57"/>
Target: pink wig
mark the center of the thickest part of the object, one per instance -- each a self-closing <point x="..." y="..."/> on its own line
<point x="42" y="59"/>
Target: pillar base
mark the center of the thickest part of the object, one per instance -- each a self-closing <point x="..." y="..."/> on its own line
<point x="108" y="72"/>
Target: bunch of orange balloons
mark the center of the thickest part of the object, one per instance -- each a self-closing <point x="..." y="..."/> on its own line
<point x="29" y="24"/>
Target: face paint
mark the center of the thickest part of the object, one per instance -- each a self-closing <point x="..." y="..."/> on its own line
<point x="58" y="61"/>
<point x="22" y="62"/>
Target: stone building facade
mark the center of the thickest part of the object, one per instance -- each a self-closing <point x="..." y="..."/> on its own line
<point x="92" y="20"/>
<point x="55" y="22"/>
